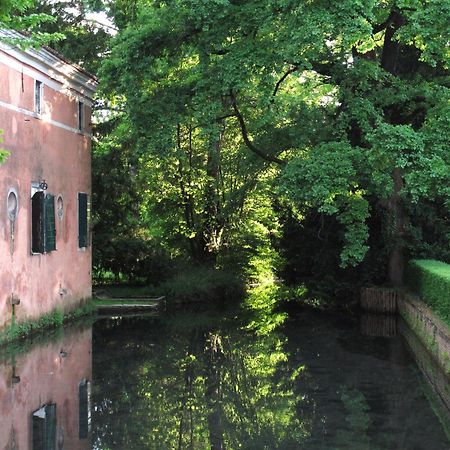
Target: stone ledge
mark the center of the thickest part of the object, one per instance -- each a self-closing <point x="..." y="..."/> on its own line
<point x="430" y="329"/>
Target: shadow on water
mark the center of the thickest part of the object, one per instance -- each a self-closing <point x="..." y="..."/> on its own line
<point x="249" y="377"/>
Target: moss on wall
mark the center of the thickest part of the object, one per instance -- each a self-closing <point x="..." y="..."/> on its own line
<point x="54" y="319"/>
<point x="426" y="329"/>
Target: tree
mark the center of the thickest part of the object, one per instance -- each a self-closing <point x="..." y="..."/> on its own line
<point x="391" y="95"/>
<point x="15" y="15"/>
<point x="85" y="39"/>
<point x="345" y="105"/>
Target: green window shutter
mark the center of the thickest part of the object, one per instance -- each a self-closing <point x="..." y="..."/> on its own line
<point x="44" y="428"/>
<point x="38" y="430"/>
<point x="37" y="222"/>
<point x="50" y="427"/>
<point x="83" y="409"/>
<point x="50" y="229"/>
<point x="82" y="220"/>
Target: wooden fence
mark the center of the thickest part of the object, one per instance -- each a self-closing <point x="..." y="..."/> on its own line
<point x="380" y="300"/>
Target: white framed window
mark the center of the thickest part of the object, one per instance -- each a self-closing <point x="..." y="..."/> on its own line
<point x="80" y="116"/>
<point x="60" y="207"/>
<point x="83" y="220"/>
<point x="12" y="204"/>
<point x="38" y="94"/>
<point x="43" y="230"/>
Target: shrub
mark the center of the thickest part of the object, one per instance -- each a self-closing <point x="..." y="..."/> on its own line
<point x="131" y="259"/>
<point x="430" y="279"/>
<point x="202" y="284"/>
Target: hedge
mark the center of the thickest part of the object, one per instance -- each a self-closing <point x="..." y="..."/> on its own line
<point x="430" y="280"/>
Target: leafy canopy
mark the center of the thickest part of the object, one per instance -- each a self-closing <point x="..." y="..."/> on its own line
<point x="347" y="99"/>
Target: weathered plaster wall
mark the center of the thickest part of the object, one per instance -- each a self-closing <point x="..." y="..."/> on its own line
<point x="45" y="377"/>
<point x="42" y="147"/>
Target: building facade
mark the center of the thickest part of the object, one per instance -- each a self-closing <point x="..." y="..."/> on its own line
<point x="45" y="183"/>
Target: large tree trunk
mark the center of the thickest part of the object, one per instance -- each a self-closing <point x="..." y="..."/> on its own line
<point x="213" y="223"/>
<point x="397" y="221"/>
<point x="396" y="211"/>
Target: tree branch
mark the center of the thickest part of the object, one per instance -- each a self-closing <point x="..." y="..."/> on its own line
<point x="381" y="26"/>
<point x="277" y="86"/>
<point x="247" y="140"/>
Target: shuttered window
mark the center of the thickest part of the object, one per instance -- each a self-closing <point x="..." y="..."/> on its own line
<point x="43" y="230"/>
<point x="38" y="96"/>
<point x="37" y="222"/>
<point x="49" y="219"/>
<point x="84" y="413"/>
<point x="82" y="220"/>
<point x="80" y="116"/>
<point x="44" y="428"/>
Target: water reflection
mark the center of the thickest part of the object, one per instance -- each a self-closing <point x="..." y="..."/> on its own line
<point x="193" y="381"/>
<point x="44" y="393"/>
<point x="251" y="378"/>
<point x="257" y="381"/>
<point x="381" y="325"/>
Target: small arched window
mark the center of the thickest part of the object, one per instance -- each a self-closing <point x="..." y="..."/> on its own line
<point x="12" y="204"/>
<point x="60" y="207"/>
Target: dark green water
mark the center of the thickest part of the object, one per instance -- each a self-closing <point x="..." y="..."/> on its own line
<point x="259" y="380"/>
<point x="236" y="378"/>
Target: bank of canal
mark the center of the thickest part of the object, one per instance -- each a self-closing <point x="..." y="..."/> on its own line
<point x="220" y="378"/>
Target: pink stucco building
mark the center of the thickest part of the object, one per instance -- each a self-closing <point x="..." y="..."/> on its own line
<point x="45" y="183"/>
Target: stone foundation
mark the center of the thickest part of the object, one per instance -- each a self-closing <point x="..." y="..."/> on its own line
<point x="430" y="330"/>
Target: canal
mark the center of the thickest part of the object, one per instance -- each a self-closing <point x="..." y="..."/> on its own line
<point x="219" y="378"/>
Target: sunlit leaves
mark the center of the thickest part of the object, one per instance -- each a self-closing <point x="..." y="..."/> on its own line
<point x="18" y="15"/>
<point x="427" y="29"/>
<point x="313" y="87"/>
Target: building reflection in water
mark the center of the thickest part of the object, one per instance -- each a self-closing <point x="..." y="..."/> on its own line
<point x="45" y="394"/>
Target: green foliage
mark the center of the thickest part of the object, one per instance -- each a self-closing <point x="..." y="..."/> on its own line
<point x="128" y="250"/>
<point x="123" y="291"/>
<point x="82" y="40"/>
<point x="15" y="15"/>
<point x="3" y="153"/>
<point x="265" y="303"/>
<point x="325" y="179"/>
<point x="350" y="100"/>
<point x="429" y="238"/>
<point x="199" y="284"/>
<point x="430" y="279"/>
<point x="132" y="259"/>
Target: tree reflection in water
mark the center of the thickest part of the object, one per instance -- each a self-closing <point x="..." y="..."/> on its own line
<point x="248" y="378"/>
<point x="197" y="381"/>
